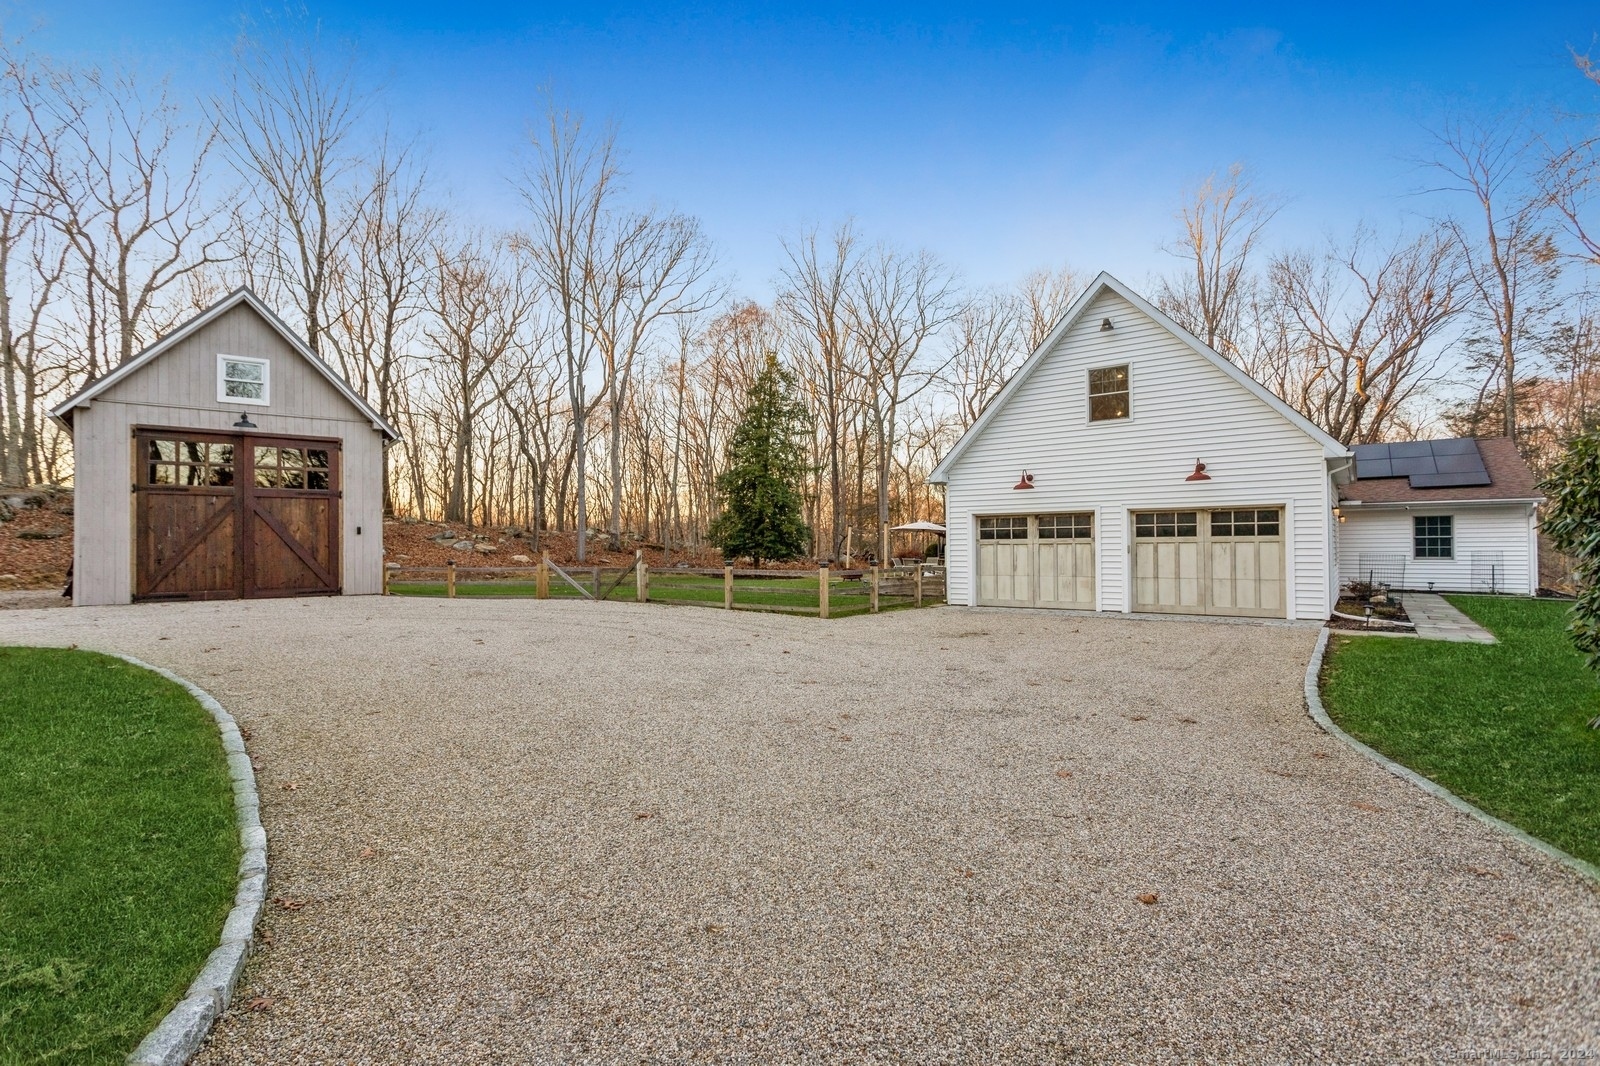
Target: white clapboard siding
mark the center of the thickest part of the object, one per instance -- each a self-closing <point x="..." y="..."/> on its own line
<point x="179" y="389"/>
<point x="1184" y="408"/>
<point x="1507" y="530"/>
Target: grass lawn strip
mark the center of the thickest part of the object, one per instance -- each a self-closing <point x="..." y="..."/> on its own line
<point x="1503" y="726"/>
<point x="118" y="852"/>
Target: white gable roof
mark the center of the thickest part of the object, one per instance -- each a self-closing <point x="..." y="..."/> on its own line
<point x="243" y="295"/>
<point x="1331" y="448"/>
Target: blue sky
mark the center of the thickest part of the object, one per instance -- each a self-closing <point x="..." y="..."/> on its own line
<point x="1003" y="138"/>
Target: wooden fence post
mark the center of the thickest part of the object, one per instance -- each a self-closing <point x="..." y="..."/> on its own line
<point x="874" y="590"/>
<point x="727" y="588"/>
<point x="917" y="581"/>
<point x="541" y="583"/>
<point x="822" y="591"/>
<point x="641" y="573"/>
<point x="386" y="577"/>
<point x="597" y="584"/>
<point x="450" y="579"/>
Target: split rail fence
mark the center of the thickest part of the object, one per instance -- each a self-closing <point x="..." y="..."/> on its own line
<point x="824" y="592"/>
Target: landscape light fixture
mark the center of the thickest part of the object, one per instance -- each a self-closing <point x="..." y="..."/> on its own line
<point x="244" y="422"/>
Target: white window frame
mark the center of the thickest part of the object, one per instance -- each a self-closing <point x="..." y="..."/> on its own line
<point x="1433" y="558"/>
<point x="222" y="381"/>
<point x="1088" y="400"/>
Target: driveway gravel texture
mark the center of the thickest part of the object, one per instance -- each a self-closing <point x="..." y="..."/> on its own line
<point x="572" y="832"/>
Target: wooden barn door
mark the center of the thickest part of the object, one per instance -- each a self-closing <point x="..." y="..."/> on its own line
<point x="230" y="515"/>
<point x="291" y="517"/>
<point x="186" y="516"/>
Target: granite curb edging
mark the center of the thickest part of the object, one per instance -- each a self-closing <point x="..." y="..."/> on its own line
<point x="177" y="1037"/>
<point x="1319" y="714"/>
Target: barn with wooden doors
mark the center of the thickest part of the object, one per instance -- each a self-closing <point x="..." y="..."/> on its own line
<point x="1128" y="467"/>
<point x="225" y="461"/>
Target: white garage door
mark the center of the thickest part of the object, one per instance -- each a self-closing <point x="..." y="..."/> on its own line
<point x="1037" y="561"/>
<point x="1224" y="562"/>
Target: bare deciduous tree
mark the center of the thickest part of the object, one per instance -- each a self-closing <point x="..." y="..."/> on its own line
<point x="569" y="186"/>
<point x="897" y="303"/>
<point x="1508" y="250"/>
<point x="289" y="117"/>
<point x="1223" y="222"/>
<point x="1359" y="323"/>
<point x="814" y="294"/>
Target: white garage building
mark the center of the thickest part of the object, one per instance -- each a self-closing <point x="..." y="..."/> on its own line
<point x="1128" y="467"/>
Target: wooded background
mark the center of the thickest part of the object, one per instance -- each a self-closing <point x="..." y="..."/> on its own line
<point x="583" y="366"/>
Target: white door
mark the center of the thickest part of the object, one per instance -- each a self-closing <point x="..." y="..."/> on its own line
<point x="1224" y="562"/>
<point x="1166" y="562"/>
<point x="1065" y="550"/>
<point x="1036" y="561"/>
<point x="1246" y="562"/>
<point x="1005" y="562"/>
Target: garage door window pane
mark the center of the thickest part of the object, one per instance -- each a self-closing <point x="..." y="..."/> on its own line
<point x="1065" y="526"/>
<point x="1006" y="528"/>
<point x="1167" y="524"/>
<point x="1267" y="524"/>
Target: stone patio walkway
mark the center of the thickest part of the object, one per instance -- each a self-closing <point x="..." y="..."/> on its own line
<point x="1437" y="620"/>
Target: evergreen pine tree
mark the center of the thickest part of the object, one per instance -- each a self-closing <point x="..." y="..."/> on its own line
<point x="765" y="466"/>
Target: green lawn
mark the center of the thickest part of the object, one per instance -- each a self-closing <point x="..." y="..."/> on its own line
<point x="118" y="852"/>
<point x="1504" y="726"/>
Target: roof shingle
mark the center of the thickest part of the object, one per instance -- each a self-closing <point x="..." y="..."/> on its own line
<point x="1509" y="479"/>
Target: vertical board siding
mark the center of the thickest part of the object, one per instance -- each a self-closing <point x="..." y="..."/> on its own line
<point x="179" y="388"/>
<point x="1504" y="528"/>
<point x="1183" y="409"/>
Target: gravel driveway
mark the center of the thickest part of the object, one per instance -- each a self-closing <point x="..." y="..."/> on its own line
<point x="519" y="831"/>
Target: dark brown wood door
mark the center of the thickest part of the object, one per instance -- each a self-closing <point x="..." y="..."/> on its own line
<point x="235" y="515"/>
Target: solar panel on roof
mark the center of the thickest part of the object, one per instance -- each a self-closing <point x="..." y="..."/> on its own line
<point x="1410" y="465"/>
<point x="1410" y="449"/>
<point x="1430" y="464"/>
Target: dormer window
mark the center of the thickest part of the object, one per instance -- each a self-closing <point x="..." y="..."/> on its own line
<point x="241" y="379"/>
<point x="1108" y="393"/>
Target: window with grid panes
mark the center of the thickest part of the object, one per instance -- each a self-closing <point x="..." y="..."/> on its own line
<point x="1262" y="522"/>
<point x="178" y="463"/>
<point x="1167" y="524"/>
<point x="1066" y="526"/>
<point x="1434" y="536"/>
<point x="1005" y="527"/>
<point x="1108" y="393"/>
<point x="291" y="468"/>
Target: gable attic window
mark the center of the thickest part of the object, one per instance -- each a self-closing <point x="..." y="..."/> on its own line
<point x="1108" y="393"/>
<point x="243" y="380"/>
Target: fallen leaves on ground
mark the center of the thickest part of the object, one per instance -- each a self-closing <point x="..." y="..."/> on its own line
<point x="1149" y="899"/>
<point x="1063" y="773"/>
<point x="286" y="903"/>
<point x="1358" y="805"/>
<point x="259" y="1003"/>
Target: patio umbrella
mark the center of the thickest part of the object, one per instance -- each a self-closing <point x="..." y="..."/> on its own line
<point x="919" y="527"/>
